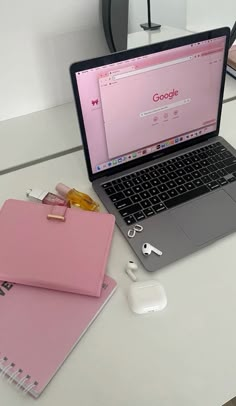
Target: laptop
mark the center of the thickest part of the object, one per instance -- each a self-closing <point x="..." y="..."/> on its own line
<point x="149" y="119"/>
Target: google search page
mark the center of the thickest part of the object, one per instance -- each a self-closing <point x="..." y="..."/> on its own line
<point x="152" y="103"/>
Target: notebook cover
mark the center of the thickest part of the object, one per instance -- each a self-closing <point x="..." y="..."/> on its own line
<point x="68" y="255"/>
<point x="40" y="327"/>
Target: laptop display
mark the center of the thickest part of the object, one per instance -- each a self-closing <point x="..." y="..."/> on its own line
<point x="135" y="107"/>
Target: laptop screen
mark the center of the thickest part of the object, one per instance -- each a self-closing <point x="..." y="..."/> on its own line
<point x="138" y="106"/>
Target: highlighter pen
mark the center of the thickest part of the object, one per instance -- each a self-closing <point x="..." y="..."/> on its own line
<point x="77" y="199"/>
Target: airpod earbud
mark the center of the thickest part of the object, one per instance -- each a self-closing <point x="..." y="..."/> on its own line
<point x="130" y="267"/>
<point x="147" y="249"/>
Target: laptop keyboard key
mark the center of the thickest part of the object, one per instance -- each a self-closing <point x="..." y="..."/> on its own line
<point x="154" y="200"/>
<point x="173" y="175"/>
<point x="119" y="187"/>
<point x="117" y="196"/>
<point x="110" y="190"/>
<point x="139" y="216"/>
<point x="164" y="178"/>
<point x="229" y="161"/>
<point x="146" y="185"/>
<point x="130" y="220"/>
<point x="188" y="177"/>
<point x="196" y="174"/>
<point x="198" y="182"/>
<point x="206" y="179"/>
<point x="163" y="171"/>
<point x="145" y="204"/>
<point x="171" y="184"/>
<point x="136" y="198"/>
<point x="145" y="177"/>
<point x="154" y="191"/>
<point x="162" y="188"/>
<point x="130" y="210"/>
<point x="180" y="172"/>
<point x="227" y="154"/>
<point x="214" y="176"/>
<point x="145" y="195"/>
<point x="159" y="207"/>
<point x="181" y="189"/>
<point x="189" y="186"/>
<point x="164" y="196"/>
<point x="137" y="181"/>
<point x="128" y="192"/>
<point x="105" y="185"/>
<point x="154" y="174"/>
<point x="123" y="203"/>
<point x="222" y="181"/>
<point x="128" y="184"/>
<point x="213" y="185"/>
<point x="149" y="212"/>
<point x="155" y="182"/>
<point x="186" y="196"/>
<point x="180" y="181"/>
<point x="204" y="171"/>
<point x="231" y="168"/>
<point x="172" y="193"/>
<point x="137" y="189"/>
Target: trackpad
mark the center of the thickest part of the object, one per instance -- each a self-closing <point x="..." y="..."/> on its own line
<point x="207" y="218"/>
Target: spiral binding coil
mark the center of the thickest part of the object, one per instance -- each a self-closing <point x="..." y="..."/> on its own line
<point x="23" y="382"/>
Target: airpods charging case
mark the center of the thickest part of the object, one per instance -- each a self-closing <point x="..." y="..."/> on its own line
<point x="146" y="296"/>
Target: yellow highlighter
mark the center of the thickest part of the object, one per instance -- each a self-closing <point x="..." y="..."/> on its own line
<point x="76" y="198"/>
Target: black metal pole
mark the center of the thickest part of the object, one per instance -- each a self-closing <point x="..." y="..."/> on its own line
<point x="149" y="25"/>
<point x="149" y="13"/>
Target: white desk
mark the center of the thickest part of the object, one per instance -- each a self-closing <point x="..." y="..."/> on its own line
<point x="183" y="356"/>
<point x="55" y="130"/>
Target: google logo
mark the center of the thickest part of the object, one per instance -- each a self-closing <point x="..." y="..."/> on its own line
<point x="168" y="95"/>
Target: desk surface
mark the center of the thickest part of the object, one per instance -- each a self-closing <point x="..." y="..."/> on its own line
<point x="55" y="130"/>
<point x="183" y="356"/>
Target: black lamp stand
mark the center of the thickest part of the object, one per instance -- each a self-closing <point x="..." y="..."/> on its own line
<point x="149" y="25"/>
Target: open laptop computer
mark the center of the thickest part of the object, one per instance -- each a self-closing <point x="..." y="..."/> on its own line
<point x="149" y="120"/>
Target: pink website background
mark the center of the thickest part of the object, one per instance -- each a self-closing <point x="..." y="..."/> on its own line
<point x="120" y="104"/>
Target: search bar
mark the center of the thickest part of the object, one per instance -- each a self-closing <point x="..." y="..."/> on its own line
<point x="166" y="107"/>
<point x="150" y="68"/>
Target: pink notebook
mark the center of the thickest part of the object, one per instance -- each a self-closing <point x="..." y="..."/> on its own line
<point x="40" y="327"/>
<point x="54" y="247"/>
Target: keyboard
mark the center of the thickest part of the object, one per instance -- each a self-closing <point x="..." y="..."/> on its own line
<point x="159" y="187"/>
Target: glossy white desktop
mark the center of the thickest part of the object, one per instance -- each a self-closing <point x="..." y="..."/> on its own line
<point x="182" y="356"/>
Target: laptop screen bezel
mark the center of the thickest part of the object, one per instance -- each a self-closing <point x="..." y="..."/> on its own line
<point x="137" y="52"/>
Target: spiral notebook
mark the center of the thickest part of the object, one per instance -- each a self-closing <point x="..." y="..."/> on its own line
<point x="39" y="328"/>
<point x="54" y="247"/>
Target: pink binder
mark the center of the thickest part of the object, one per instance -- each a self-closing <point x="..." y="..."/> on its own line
<point x="40" y="327"/>
<point x="54" y="247"/>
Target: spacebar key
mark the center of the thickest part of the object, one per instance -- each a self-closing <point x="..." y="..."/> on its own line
<point x="186" y="196"/>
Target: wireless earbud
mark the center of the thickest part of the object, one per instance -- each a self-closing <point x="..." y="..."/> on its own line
<point x="147" y="249"/>
<point x="130" y="267"/>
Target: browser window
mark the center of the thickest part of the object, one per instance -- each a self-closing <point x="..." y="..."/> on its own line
<point x="134" y="107"/>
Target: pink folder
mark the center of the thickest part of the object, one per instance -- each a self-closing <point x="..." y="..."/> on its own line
<point x="54" y="247"/>
<point x="39" y="328"/>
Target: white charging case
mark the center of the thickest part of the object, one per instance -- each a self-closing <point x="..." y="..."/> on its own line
<point x="146" y="296"/>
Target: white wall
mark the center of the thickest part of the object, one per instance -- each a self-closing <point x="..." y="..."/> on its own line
<point x="38" y="42"/>
<point x="205" y="14"/>
<point x="40" y="39"/>
<point x="165" y="12"/>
